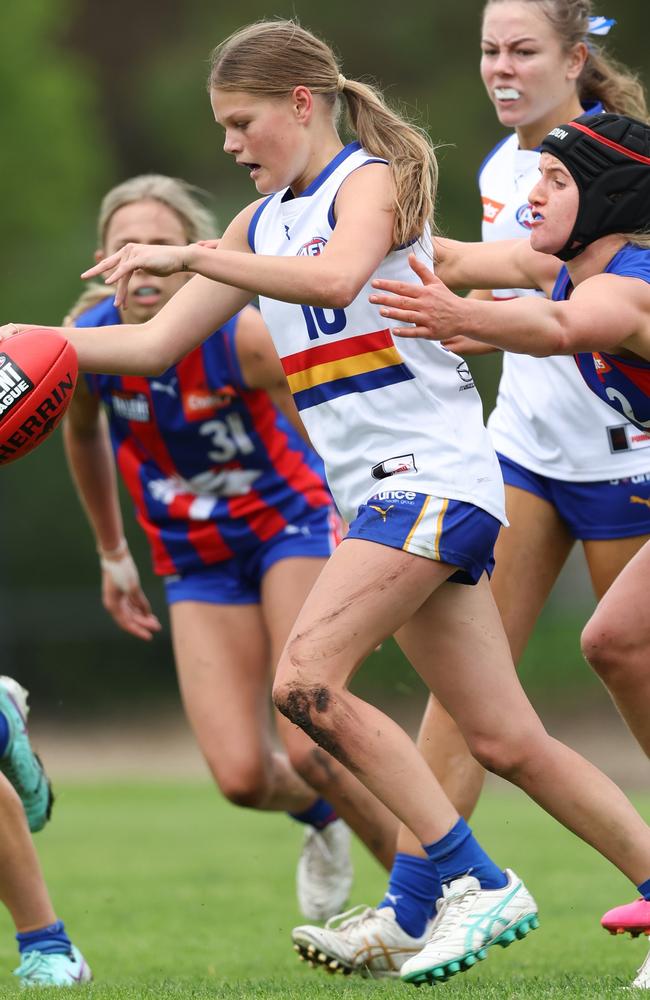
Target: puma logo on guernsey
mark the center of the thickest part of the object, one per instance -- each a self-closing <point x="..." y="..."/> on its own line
<point x="643" y="500"/>
<point x="382" y="511"/>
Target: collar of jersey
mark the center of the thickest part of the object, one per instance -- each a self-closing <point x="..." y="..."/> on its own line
<point x="352" y="147"/>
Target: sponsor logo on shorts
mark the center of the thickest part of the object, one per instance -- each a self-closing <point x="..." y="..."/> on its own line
<point x="642" y="477"/>
<point x="394" y="466"/>
<point x="382" y="511"/>
<point x="491" y="209"/>
<point x="131" y="406"/>
<point x="201" y="403"/>
<point x="643" y="500"/>
<point x="14" y="384"/>
<point x="403" y="495"/>
<point x="524" y="216"/>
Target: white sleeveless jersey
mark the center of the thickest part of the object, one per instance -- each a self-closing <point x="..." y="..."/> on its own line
<point x="383" y="415"/>
<point x="544" y="419"/>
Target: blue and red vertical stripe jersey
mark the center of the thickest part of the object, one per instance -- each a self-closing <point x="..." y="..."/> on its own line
<point x="212" y="466"/>
<point x="621" y="382"/>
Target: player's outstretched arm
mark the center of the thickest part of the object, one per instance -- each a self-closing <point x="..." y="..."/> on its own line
<point x="605" y="312"/>
<point x="92" y="467"/>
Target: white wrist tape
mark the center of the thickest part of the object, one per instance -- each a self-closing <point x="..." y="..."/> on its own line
<point x="122" y="571"/>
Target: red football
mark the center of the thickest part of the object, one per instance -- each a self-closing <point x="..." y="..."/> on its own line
<point x="38" y="373"/>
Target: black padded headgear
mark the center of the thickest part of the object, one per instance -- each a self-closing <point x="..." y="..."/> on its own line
<point x="608" y="157"/>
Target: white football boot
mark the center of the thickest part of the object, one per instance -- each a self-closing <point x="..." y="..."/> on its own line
<point x="363" y="940"/>
<point x="642" y="980"/>
<point x="324" y="874"/>
<point x="38" y="969"/>
<point x="469" y="921"/>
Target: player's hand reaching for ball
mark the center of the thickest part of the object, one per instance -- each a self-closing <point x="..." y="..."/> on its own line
<point x="123" y="596"/>
<point x="118" y="268"/>
<point x="434" y="312"/>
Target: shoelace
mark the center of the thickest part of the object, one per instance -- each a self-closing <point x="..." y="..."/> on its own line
<point x="34" y="964"/>
<point x="461" y="902"/>
<point x="352" y="917"/>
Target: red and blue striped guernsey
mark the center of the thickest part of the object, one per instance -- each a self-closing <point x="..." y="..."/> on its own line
<point x="212" y="467"/>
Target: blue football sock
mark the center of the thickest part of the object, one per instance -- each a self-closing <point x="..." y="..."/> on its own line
<point x="4" y="734"/>
<point x="52" y="939"/>
<point x="320" y="815"/>
<point x="413" y="888"/>
<point x="644" y="889"/>
<point x="459" y="853"/>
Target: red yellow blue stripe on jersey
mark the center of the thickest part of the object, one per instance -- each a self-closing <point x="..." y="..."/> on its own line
<point x="357" y="364"/>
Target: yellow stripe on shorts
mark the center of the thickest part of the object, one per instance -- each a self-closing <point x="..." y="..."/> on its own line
<point x="425" y="535"/>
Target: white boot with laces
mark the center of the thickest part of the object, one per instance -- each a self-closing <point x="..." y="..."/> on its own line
<point x="469" y="921"/>
<point x="364" y="940"/>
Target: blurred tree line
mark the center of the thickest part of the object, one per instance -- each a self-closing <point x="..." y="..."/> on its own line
<point x="94" y="93"/>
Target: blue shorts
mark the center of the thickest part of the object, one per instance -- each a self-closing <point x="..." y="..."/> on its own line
<point x="238" y="580"/>
<point x="447" y="531"/>
<point x="616" y="508"/>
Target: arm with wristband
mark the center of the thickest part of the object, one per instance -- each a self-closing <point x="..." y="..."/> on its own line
<point x="91" y="464"/>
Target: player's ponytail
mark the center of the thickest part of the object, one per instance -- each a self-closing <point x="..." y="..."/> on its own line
<point x="270" y="58"/>
<point x="409" y="151"/>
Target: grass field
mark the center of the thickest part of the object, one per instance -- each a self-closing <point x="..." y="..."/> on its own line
<point x="170" y="892"/>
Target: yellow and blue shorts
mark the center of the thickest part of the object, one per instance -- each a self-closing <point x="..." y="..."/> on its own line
<point x="448" y="531"/>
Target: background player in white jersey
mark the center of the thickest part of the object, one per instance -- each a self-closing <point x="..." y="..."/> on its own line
<point x="230" y="606"/>
<point x="591" y="208"/>
<point x="566" y="458"/>
<point x="417" y="540"/>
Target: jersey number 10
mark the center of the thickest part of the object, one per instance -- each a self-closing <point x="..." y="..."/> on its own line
<point x="318" y="323"/>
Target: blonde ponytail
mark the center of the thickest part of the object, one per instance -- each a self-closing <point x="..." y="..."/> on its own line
<point x="270" y="58"/>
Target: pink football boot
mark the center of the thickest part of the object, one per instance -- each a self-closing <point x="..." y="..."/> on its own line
<point x="633" y="918"/>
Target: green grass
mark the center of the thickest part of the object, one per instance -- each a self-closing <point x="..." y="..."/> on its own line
<point x="170" y="892"/>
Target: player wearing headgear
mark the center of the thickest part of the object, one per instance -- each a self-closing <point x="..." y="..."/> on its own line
<point x="416" y="559"/>
<point x="591" y="209"/>
<point x="239" y="521"/>
<point x="571" y="467"/>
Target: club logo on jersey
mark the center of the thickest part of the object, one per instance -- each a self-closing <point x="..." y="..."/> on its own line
<point x="524" y="216"/>
<point x="465" y="375"/>
<point x="133" y="406"/>
<point x="601" y="366"/>
<point x="313" y="248"/>
<point x="14" y="384"/>
<point x="491" y="209"/>
<point x="393" y="466"/>
<point x="201" y="403"/>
